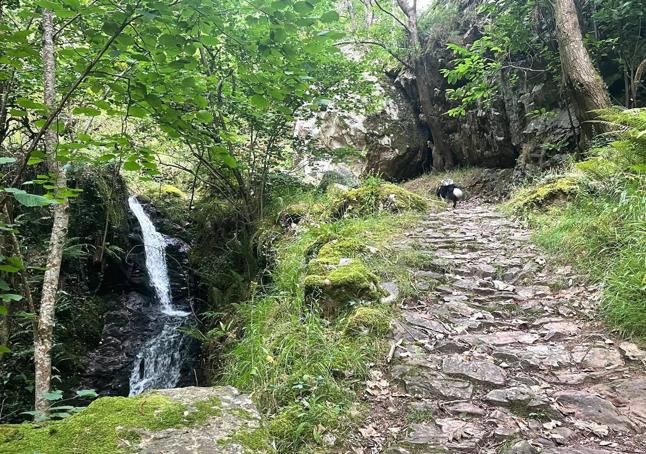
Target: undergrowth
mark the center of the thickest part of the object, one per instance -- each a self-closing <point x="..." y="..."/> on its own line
<point x="601" y="227"/>
<point x="303" y="366"/>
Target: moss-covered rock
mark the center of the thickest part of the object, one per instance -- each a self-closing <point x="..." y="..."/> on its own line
<point x="292" y="214"/>
<point x="374" y="197"/>
<point x="545" y="193"/>
<point x="173" y="420"/>
<point x="350" y="280"/>
<point x="368" y="320"/>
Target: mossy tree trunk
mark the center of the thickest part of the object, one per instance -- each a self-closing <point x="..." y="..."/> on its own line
<point x="588" y="90"/>
<point x="46" y="318"/>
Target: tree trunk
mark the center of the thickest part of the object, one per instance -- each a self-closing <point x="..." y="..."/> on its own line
<point x="588" y="90"/>
<point x="442" y="155"/>
<point x="46" y="317"/>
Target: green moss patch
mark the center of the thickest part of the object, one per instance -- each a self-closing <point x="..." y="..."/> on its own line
<point x="347" y="282"/>
<point x="545" y="193"/>
<point x="374" y="197"/>
<point x="106" y="426"/>
<point x="368" y="320"/>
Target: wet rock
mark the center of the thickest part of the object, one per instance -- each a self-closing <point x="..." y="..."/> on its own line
<point x="586" y="406"/>
<point x="483" y="371"/>
<point x="233" y="413"/>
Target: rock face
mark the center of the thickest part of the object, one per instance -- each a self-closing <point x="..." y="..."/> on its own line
<point x="174" y="421"/>
<point x="397" y="143"/>
<point x="391" y="142"/>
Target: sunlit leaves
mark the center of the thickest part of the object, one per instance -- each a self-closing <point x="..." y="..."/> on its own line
<point x="29" y="200"/>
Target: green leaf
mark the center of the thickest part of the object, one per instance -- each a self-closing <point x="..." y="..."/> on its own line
<point x="29" y="200"/>
<point x="53" y="395"/>
<point x="7" y="160"/>
<point x="8" y="297"/>
<point x="131" y="166"/>
<point x="29" y="104"/>
<point x="329" y="17"/>
<point x="259" y="101"/>
<point x="89" y="111"/>
<point x="4" y="349"/>
<point x="205" y="116"/>
<point x="303" y="7"/>
<point x="86" y="393"/>
<point x="3" y="310"/>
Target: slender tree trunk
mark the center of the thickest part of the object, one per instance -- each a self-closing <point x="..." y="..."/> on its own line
<point x="581" y="78"/>
<point x="46" y="317"/>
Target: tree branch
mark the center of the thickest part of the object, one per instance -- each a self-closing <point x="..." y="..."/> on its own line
<point x="378" y="44"/>
<point x="52" y="116"/>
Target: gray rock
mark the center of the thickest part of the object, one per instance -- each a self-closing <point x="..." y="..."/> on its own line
<point x="632" y="351"/>
<point x="584" y="405"/>
<point x="540" y="355"/>
<point x="341" y="176"/>
<point x="596" y="357"/>
<point x="233" y="413"/>
<point x="483" y="371"/>
<point x="516" y="395"/>
<point x="521" y="447"/>
<point x="560" y="330"/>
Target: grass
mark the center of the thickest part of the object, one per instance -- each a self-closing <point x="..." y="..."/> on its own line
<point x="302" y="367"/>
<point x="602" y="228"/>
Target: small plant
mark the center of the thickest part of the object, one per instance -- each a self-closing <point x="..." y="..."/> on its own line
<point x="58" y="411"/>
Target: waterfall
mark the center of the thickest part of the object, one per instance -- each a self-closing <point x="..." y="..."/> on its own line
<point x="159" y="362"/>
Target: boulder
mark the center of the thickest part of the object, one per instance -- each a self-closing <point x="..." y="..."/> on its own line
<point x="397" y="143"/>
<point x="181" y="420"/>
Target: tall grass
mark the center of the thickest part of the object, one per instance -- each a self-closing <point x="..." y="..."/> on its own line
<point x="602" y="230"/>
<point x="304" y="370"/>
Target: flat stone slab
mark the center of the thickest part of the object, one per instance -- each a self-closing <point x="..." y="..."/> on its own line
<point x="521" y="395"/>
<point x="587" y="406"/>
<point x="541" y="356"/>
<point x="483" y="371"/>
<point x="597" y="357"/>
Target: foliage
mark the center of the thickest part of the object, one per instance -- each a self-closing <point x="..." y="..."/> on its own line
<point x="302" y="367"/>
<point x="602" y="228"/>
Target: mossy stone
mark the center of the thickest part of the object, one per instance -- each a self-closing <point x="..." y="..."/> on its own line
<point x="349" y="281"/>
<point x="373" y="198"/>
<point x="368" y="320"/>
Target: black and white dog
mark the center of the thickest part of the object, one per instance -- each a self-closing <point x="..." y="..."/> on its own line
<point x="449" y="191"/>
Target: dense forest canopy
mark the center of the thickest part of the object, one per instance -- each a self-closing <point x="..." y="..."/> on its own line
<point x="193" y="103"/>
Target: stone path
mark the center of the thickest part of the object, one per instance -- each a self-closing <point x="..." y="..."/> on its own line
<point x="505" y="354"/>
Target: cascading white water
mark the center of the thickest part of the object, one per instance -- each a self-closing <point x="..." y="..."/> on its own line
<point x="158" y="364"/>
